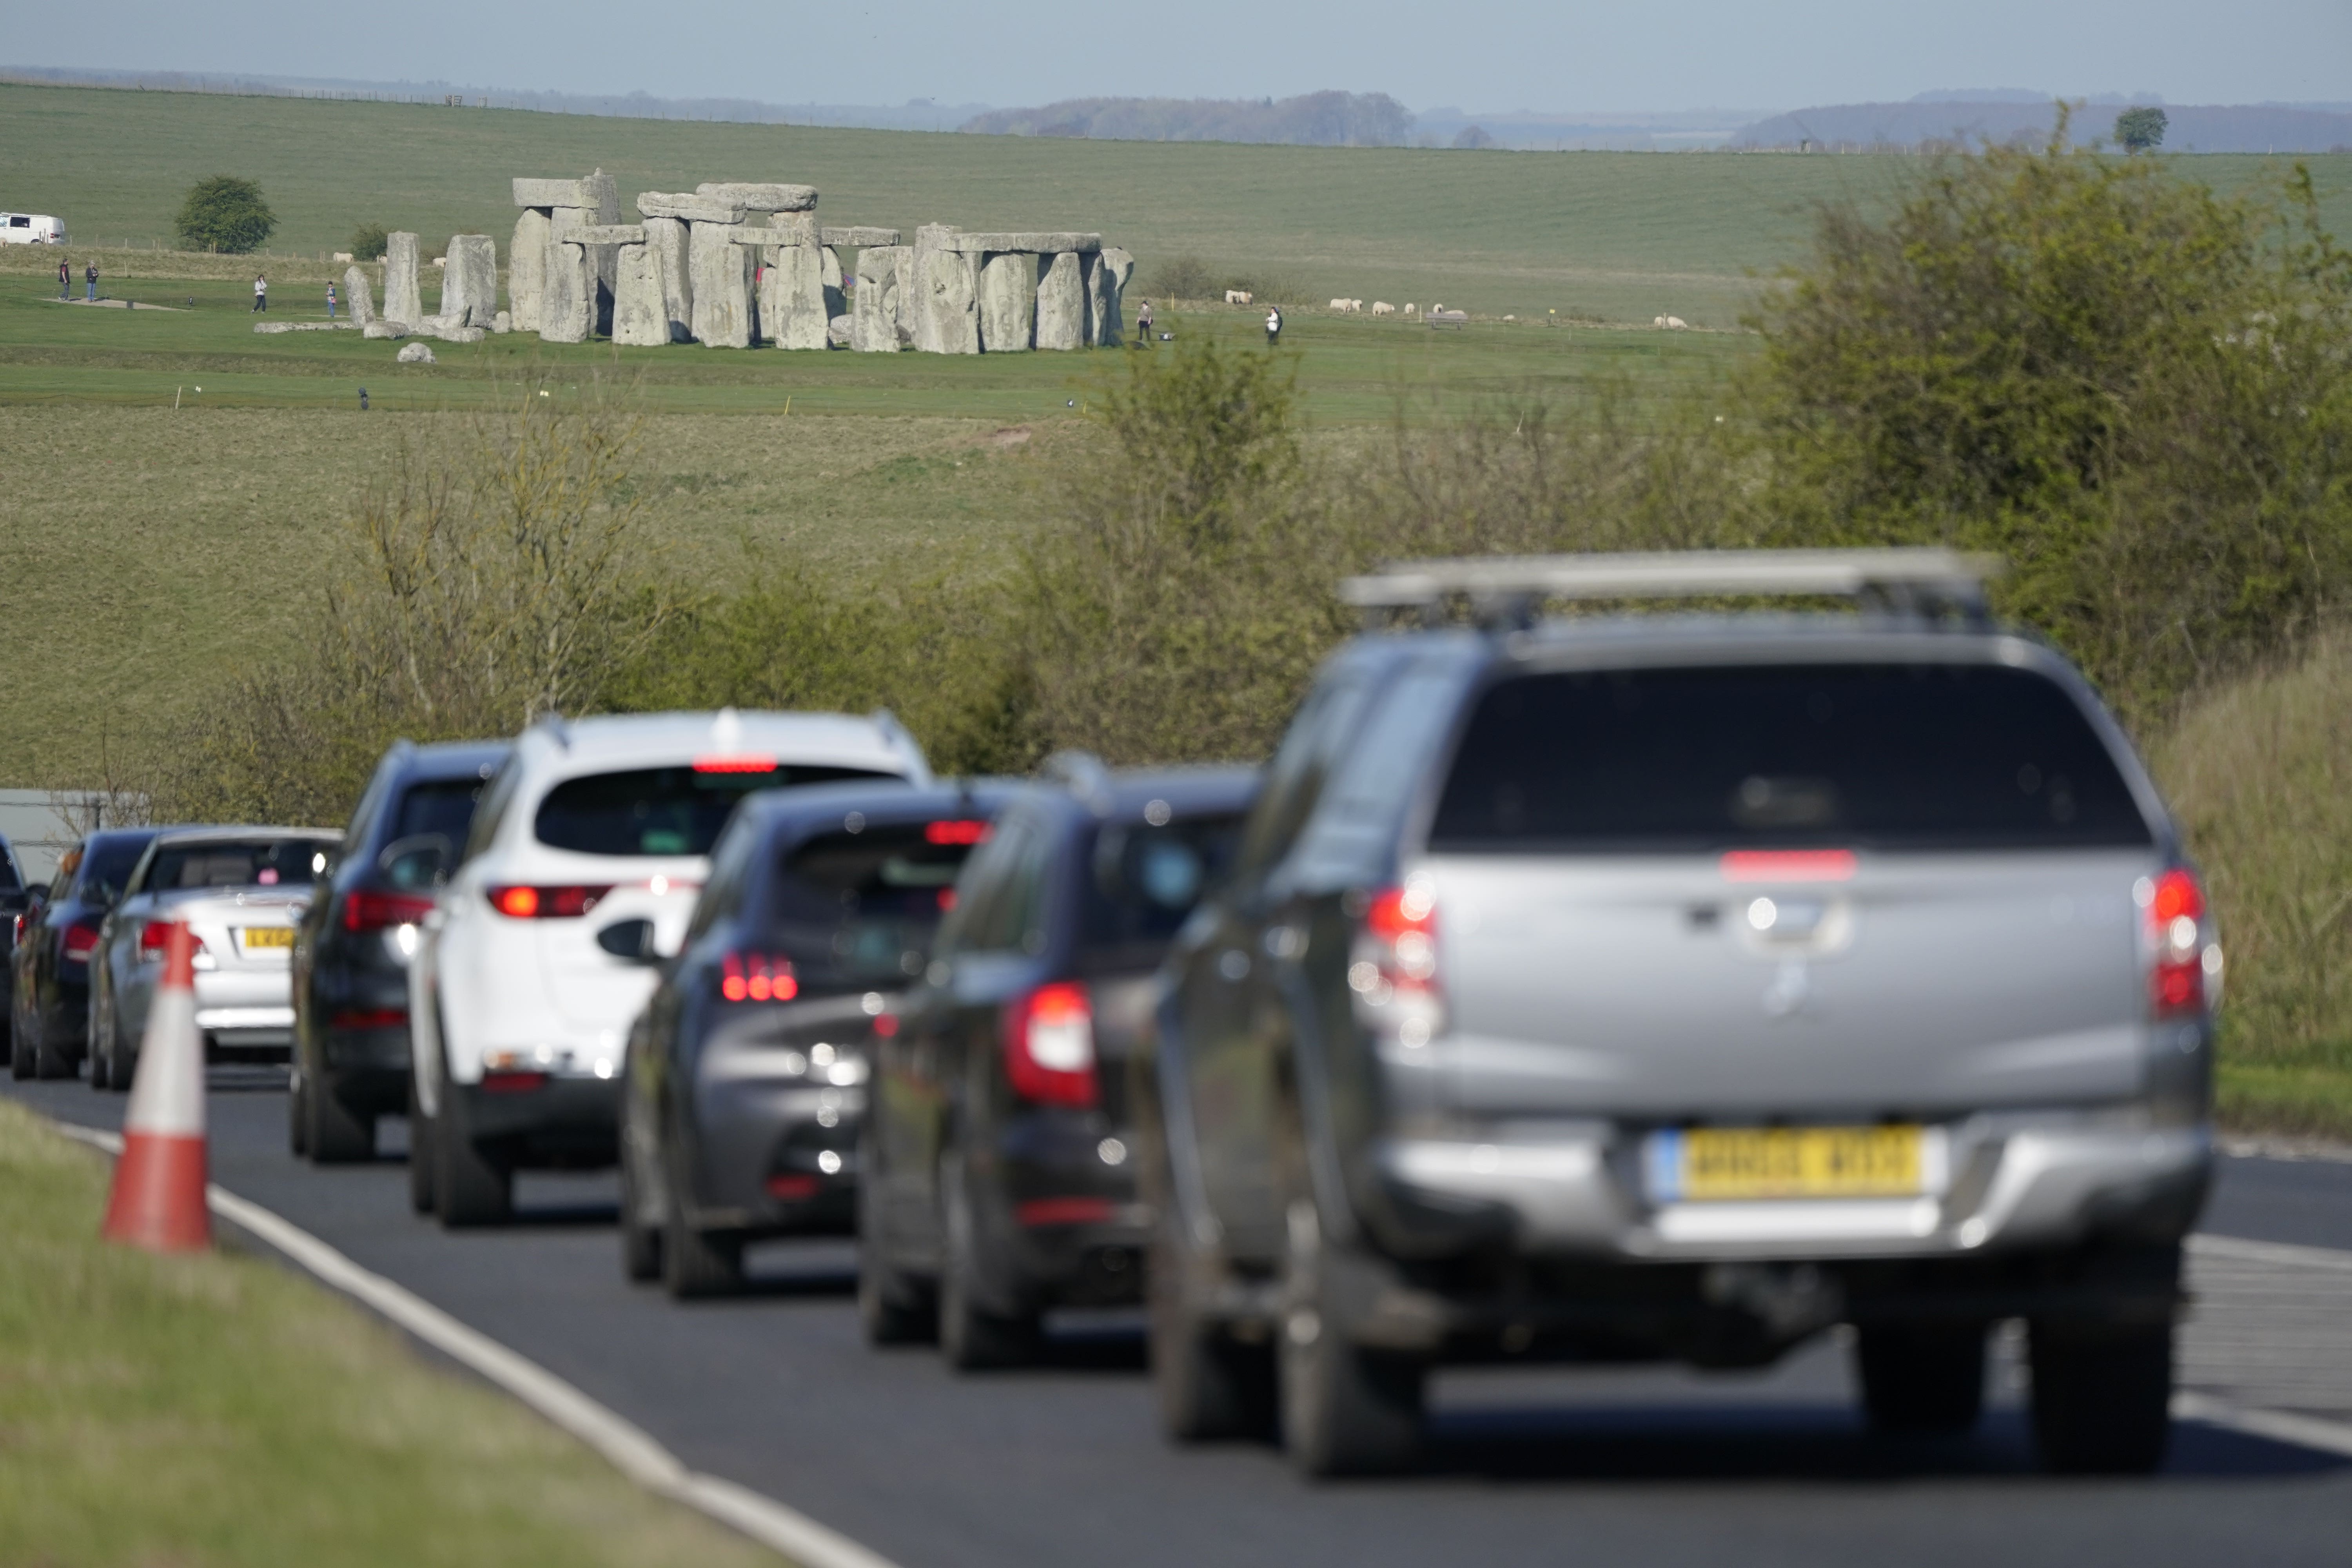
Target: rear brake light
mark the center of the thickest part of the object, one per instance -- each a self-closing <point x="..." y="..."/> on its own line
<point x="1789" y="866"/>
<point x="154" y="934"/>
<point x="720" y="764"/>
<point x="370" y="1018"/>
<point x="1049" y="1045"/>
<point x="1065" y="1211"/>
<point x="793" y="1188"/>
<point x="81" y="941"/>
<point x="545" y="903"/>
<point x="1392" y="966"/>
<point x="2185" y="973"/>
<point x="380" y="912"/>
<point x="955" y="832"/>
<point x="757" y="977"/>
<point x="496" y="1082"/>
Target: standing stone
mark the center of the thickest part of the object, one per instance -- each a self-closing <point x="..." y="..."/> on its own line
<point x="526" y="269"/>
<point x="561" y="221"/>
<point x="401" y="301"/>
<point x="945" y="300"/>
<point x="874" y="309"/>
<point x="1105" y="285"/>
<point x="1062" y="304"/>
<point x="666" y="238"/>
<point x="721" y="282"/>
<point x="792" y="305"/>
<point x="835" y="303"/>
<point x="1008" y="303"/>
<point x="640" y="310"/>
<point x="359" y="296"/>
<point x="470" y="284"/>
<point x="567" y="310"/>
<point x="904" y="304"/>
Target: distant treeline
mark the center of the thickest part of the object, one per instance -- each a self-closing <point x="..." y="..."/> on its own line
<point x="2189" y="128"/>
<point x="1311" y="119"/>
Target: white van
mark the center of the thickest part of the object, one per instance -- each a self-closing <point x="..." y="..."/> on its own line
<point x="30" y="228"/>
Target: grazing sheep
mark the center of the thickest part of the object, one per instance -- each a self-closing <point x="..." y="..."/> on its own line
<point x="1347" y="307"/>
<point x="1382" y="308"/>
<point x="1672" y="324"/>
<point x="1410" y="308"/>
<point x="1238" y="297"/>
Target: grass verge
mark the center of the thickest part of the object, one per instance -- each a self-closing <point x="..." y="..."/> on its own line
<point x="214" y="1409"/>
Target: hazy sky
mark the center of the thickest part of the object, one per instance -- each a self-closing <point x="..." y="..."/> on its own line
<point x="1574" y="55"/>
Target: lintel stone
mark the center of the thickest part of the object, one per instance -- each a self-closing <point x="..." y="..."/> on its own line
<point x="693" y="208"/>
<point x="761" y="198"/>
<point x="859" y="237"/>
<point x="552" y="193"/>
<point x="1042" y="243"/>
<point x="607" y="234"/>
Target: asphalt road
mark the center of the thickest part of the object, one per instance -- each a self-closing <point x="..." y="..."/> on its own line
<point x="1062" y="1465"/>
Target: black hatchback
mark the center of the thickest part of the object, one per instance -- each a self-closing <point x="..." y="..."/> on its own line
<point x="746" y="1076"/>
<point x="50" y="997"/>
<point x="996" y="1183"/>
<point x="351" y="950"/>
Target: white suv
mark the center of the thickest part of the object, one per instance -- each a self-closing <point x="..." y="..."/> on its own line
<point x="582" y="864"/>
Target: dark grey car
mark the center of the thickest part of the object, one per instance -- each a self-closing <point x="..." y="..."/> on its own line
<point x="1679" y="987"/>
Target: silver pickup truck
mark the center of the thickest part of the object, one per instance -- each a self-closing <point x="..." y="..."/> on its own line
<point x="1682" y="986"/>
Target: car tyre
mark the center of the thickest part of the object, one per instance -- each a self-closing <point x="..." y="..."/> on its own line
<point x="893" y="1308"/>
<point x="101" y="1057"/>
<point x="20" y="1044"/>
<point x="971" y="1337"/>
<point x="470" y="1188"/>
<point x="641" y="1249"/>
<point x="334" y="1133"/>
<point x="2102" y="1396"/>
<point x="696" y="1264"/>
<point x="1346" y="1411"/>
<point x="298" y="1115"/>
<point x="1921" y="1379"/>
<point x="1210" y="1385"/>
<point x="420" y="1155"/>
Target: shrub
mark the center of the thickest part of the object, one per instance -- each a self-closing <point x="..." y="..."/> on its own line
<point x="369" y="241"/>
<point x="1181" y="277"/>
<point x="227" y="214"/>
<point x="2140" y="130"/>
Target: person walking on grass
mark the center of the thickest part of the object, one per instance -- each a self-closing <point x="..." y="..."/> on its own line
<point x="1273" y="325"/>
<point x="89" y="276"/>
<point x="1144" y="324"/>
<point x="331" y="302"/>
<point x="65" y="279"/>
<point x="260" y="292"/>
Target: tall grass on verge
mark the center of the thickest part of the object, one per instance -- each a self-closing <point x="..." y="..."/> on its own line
<point x="473" y="590"/>
<point x="2260" y="772"/>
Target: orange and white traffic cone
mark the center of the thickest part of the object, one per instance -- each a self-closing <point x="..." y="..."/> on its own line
<point x="158" y="1201"/>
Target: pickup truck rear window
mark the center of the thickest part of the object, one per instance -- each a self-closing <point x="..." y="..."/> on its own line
<point x="1925" y="756"/>
<point x="660" y="811"/>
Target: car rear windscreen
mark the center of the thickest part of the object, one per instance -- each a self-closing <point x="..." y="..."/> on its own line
<point x="660" y="811"/>
<point x="1145" y="880"/>
<point x="109" y="864"/>
<point x="1914" y="756"/>
<point x="443" y="807"/>
<point x="856" y="911"/>
<point x="260" y="863"/>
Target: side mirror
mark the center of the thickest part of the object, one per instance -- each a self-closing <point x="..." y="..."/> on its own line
<point x="419" y="862"/>
<point x="631" y="940"/>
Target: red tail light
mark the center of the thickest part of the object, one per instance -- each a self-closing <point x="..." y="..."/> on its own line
<point x="154" y="937"/>
<point x="370" y="1018"/>
<point x="732" y="764"/>
<point x="955" y="832"/>
<point x="512" y="1083"/>
<point x="1392" y="966"/>
<point x="1049" y="1045"/>
<point x="545" y="903"/>
<point x="2185" y="978"/>
<point x="757" y="977"/>
<point x="380" y="912"/>
<point x="1788" y="866"/>
<point x="81" y="941"/>
<point x="793" y="1188"/>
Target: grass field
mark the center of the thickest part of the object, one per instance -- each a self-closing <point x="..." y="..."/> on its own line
<point x="218" y="1410"/>
<point x="1623" y="235"/>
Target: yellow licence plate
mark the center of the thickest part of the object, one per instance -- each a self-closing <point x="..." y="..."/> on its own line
<point x="253" y="937"/>
<point x="1703" y="1163"/>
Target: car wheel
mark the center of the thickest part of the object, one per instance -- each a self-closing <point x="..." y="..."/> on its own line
<point x="298" y="1115"/>
<point x="335" y="1135"/>
<point x="420" y="1155"/>
<point x="95" y="1049"/>
<point x="972" y="1336"/>
<point x="21" y="1050"/>
<point x="470" y="1188"/>
<point x="695" y="1263"/>
<point x="1210" y="1385"/>
<point x="2102" y="1396"/>
<point x="893" y="1307"/>
<point x="121" y="1055"/>
<point x="1925" y="1379"/>
<point x="641" y="1251"/>
<point x="1346" y="1411"/>
<point x="47" y="1063"/>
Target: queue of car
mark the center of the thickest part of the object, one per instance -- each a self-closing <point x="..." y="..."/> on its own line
<point x="1620" y="987"/>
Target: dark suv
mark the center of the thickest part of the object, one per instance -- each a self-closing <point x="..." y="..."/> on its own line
<point x="996" y="1182"/>
<point x="351" y="951"/>
<point x="50" y="996"/>
<point x="1677" y="987"/>
<point x="16" y="898"/>
<point x="746" y="1076"/>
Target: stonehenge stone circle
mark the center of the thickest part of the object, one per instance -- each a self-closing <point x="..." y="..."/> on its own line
<point x="874" y="309"/>
<point x="401" y="301"/>
<point x="527" y="268"/>
<point x="1008" y="303"/>
<point x="760" y="198"/>
<point x="470" y="284"/>
<point x="793" y="312"/>
<point x="720" y="271"/>
<point x="666" y="236"/>
<point x="640" y="306"/>
<point x="359" y="296"/>
<point x="567" y="308"/>
<point x="1062" y="304"/>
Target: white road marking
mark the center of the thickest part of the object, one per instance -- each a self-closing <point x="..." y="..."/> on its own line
<point x="628" y="1448"/>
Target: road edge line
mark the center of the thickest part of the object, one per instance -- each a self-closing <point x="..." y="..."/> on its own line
<point x="628" y="1448"/>
<point x="2279" y="1426"/>
<point x="2239" y="1250"/>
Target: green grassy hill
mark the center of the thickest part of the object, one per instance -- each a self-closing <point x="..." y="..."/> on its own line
<point x="1625" y="235"/>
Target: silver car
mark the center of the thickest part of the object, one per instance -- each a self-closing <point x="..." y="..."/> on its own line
<point x="241" y="891"/>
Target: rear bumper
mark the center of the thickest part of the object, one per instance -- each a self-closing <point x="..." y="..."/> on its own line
<point x="564" y="1121"/>
<point x="1070" y="1228"/>
<point x="2016" y="1183"/>
<point x="763" y="1148"/>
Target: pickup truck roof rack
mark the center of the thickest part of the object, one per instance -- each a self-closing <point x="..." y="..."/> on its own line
<point x="1507" y="589"/>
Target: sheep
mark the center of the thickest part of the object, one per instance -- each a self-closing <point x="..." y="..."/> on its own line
<point x="1347" y="307"/>
<point x="1382" y="308"/>
<point x="1672" y="324"/>
<point x="1238" y="297"/>
<point x="1410" y="308"/>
